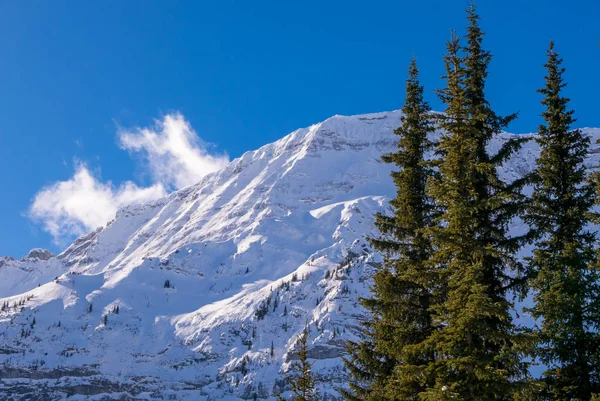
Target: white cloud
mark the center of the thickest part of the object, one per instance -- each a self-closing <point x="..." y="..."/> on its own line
<point x="83" y="203"/>
<point x="175" y="156"/>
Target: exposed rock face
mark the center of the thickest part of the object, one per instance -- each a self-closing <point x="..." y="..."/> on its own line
<point x="5" y="260"/>
<point x="183" y="298"/>
<point x="40" y="254"/>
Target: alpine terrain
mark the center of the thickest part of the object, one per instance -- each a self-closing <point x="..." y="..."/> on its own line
<point x="202" y="295"/>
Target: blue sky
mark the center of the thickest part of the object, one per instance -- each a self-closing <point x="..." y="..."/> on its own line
<point x="79" y="79"/>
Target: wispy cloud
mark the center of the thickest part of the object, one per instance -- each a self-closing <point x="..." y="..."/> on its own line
<point x="174" y="155"/>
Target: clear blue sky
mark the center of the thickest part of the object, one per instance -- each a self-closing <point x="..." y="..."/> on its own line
<point x="244" y="74"/>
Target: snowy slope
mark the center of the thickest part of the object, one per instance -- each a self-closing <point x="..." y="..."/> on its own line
<point x="252" y="253"/>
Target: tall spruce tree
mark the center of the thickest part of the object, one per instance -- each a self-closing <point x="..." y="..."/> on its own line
<point x="391" y="363"/>
<point x="477" y="346"/>
<point x="566" y="276"/>
<point x="302" y="382"/>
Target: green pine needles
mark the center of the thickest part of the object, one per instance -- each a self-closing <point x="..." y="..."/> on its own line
<point x="402" y="295"/>
<point x="442" y="304"/>
<point x="564" y="262"/>
<point x="301" y="381"/>
<point x="478" y="344"/>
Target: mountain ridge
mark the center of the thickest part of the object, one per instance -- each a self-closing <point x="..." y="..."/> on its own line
<point x="184" y="297"/>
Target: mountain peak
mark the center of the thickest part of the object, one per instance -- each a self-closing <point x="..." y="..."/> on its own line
<point x="183" y="297"/>
<point x="40" y="254"/>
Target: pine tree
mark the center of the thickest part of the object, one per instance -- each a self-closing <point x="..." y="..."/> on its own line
<point x="389" y="364"/>
<point x="566" y="276"/>
<point x="302" y="383"/>
<point x="477" y="346"/>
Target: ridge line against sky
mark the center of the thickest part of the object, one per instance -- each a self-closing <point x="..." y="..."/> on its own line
<point x="243" y="75"/>
<point x="172" y="154"/>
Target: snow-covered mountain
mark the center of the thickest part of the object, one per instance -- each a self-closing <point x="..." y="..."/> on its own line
<point x="201" y="295"/>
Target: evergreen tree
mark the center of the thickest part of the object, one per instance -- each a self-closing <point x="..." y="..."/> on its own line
<point x="566" y="277"/>
<point x="390" y="363"/>
<point x="302" y="383"/>
<point x="477" y="345"/>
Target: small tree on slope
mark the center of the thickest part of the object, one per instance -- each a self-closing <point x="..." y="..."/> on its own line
<point x="566" y="277"/>
<point x="389" y="364"/>
<point x="302" y="382"/>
